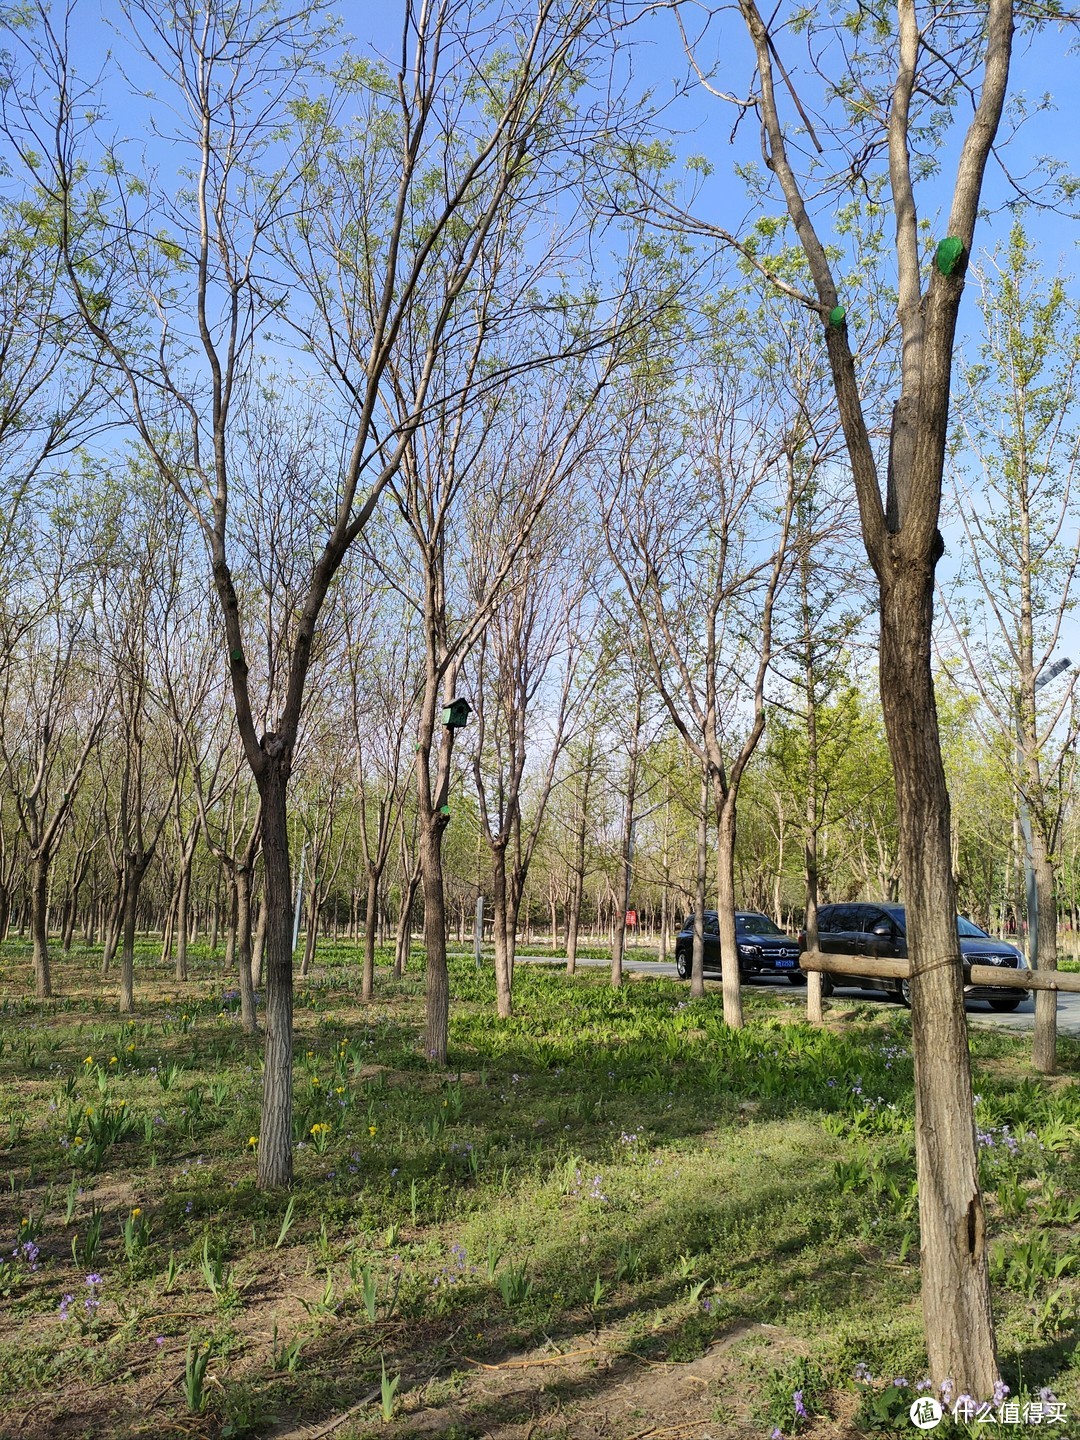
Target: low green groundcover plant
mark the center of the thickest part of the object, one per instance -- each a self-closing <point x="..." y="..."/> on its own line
<point x="607" y="1171"/>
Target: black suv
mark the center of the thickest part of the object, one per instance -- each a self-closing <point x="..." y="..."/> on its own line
<point x="763" y="948"/>
<point x="880" y="930"/>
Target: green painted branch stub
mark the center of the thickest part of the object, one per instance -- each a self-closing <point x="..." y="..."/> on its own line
<point x="949" y="254"/>
<point x="237" y="655"/>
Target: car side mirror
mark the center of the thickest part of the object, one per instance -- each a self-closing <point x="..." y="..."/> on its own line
<point x="885" y="931"/>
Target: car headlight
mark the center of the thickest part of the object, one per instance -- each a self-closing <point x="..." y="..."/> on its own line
<point x="749" y="949"/>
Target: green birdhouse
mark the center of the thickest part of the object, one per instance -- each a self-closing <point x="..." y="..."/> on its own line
<point x="950" y="252"/>
<point x="456" y="714"/>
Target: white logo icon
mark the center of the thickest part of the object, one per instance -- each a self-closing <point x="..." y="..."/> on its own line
<point x="925" y="1412"/>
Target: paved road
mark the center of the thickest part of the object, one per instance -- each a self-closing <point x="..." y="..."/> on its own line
<point x="979" y="1012"/>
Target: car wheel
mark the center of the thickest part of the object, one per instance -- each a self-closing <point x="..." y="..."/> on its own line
<point x="796" y="977"/>
<point x="1010" y="1002"/>
<point x="905" y="993"/>
<point x="683" y="965"/>
<point x="827" y="986"/>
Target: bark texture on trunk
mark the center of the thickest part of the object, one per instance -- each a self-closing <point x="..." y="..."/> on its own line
<point x="248" y="1018"/>
<point x="275" y="1133"/>
<point x="39" y="925"/>
<point x="725" y="905"/>
<point x="367" y="978"/>
<point x="502" y="934"/>
<point x="437" y="978"/>
<point x="956" y="1305"/>
<point x="697" y="973"/>
<point x="1044" y="1039"/>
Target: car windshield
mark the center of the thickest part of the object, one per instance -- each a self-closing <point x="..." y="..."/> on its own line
<point x="967" y="931"/>
<point x="756" y="925"/>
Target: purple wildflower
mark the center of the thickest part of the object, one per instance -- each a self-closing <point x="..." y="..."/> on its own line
<point x="800" y="1408"/>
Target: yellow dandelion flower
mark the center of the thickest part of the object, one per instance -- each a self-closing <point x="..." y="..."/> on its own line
<point x="136" y="1212"/>
<point x="131" y="1047"/>
<point x="315" y="1080"/>
<point x="89" y="1060"/>
<point x="371" y="1129"/>
<point x="89" y="1109"/>
<point x="112" y="1059"/>
<point x="78" y="1140"/>
<point x="253" y="1140"/>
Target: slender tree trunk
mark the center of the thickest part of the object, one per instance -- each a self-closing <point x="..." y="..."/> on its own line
<point x="367" y="982"/>
<point x="701" y="858"/>
<point x="725" y="905"/>
<point x="500" y="920"/>
<point x="167" y="933"/>
<point x="133" y="874"/>
<point x="437" y="981"/>
<point x="1044" y="1040"/>
<point x="71" y="920"/>
<point x="311" y="938"/>
<point x="248" y="1017"/>
<point x="403" y="940"/>
<point x="275" y="1135"/>
<point x="622" y="899"/>
<point x="956" y="1305"/>
<point x="814" y="1012"/>
<point x="814" y="985"/>
<point x="39" y="905"/>
<point x="258" y="946"/>
<point x="183" y="917"/>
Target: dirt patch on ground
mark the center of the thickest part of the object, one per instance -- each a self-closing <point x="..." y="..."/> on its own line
<point x="595" y="1391"/>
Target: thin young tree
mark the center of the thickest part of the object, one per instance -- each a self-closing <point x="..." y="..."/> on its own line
<point x="1014" y="475"/>
<point x="699" y="508"/>
<point x="905" y="76"/>
<point x="305" y="207"/>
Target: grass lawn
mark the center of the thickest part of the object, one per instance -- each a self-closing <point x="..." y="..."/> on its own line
<point x="613" y="1218"/>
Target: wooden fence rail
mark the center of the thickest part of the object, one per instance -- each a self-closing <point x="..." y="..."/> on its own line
<point x="877" y="968"/>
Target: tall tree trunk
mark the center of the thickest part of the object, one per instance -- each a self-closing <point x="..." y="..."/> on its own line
<point x="814" y="983"/>
<point x="183" y="916"/>
<point x="39" y="924"/>
<point x="725" y="906"/>
<point x="367" y="981"/>
<point x="437" y="978"/>
<point x="1044" y="1040"/>
<point x="134" y="870"/>
<point x="258" y="947"/>
<point x="701" y="857"/>
<point x="403" y="939"/>
<point x="167" y="933"/>
<point x="814" y="1012"/>
<point x="500" y="925"/>
<point x="622" y="898"/>
<point x="311" y="937"/>
<point x="956" y="1305"/>
<point x="275" y="1133"/>
<point x="248" y="1018"/>
<point x="112" y="926"/>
